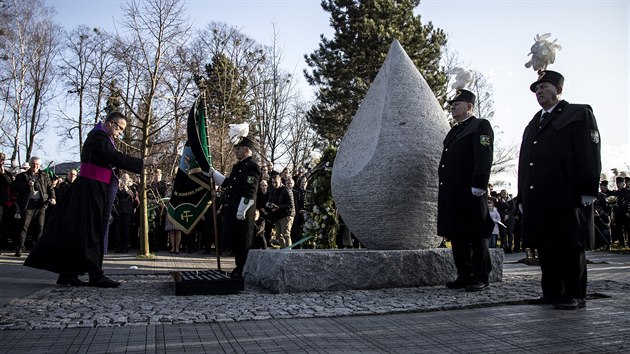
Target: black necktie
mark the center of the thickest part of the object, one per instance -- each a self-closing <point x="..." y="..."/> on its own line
<point x="541" y="119"/>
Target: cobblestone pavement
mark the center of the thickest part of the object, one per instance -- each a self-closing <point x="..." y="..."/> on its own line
<point x="144" y="315"/>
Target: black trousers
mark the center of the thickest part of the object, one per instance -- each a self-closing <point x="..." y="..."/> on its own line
<point x="122" y="228"/>
<point x="36" y="215"/>
<point x="240" y="235"/>
<point x="472" y="258"/>
<point x="563" y="272"/>
<point x="618" y="231"/>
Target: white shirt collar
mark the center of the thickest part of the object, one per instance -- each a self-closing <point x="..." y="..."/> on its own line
<point x="550" y="109"/>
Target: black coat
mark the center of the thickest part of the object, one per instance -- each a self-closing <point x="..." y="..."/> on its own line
<point x="62" y="188"/>
<point x="73" y="240"/>
<point x="241" y="183"/>
<point x="507" y="208"/>
<point x="465" y="163"/>
<point x="283" y="198"/>
<point x="126" y="202"/>
<point x="558" y="163"/>
<point x="5" y="183"/>
<point x="23" y="191"/>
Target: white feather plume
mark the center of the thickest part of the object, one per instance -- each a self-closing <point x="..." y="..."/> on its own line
<point x="237" y="131"/>
<point x="462" y="77"/>
<point x="315" y="156"/>
<point x="543" y="52"/>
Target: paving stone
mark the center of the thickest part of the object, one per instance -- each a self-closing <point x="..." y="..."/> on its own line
<point x="420" y="319"/>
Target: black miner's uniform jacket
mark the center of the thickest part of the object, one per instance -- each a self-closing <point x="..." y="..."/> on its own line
<point x="559" y="162"/>
<point x="465" y="163"/>
<point x="242" y="182"/>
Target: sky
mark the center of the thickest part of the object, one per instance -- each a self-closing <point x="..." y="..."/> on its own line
<point x="490" y="36"/>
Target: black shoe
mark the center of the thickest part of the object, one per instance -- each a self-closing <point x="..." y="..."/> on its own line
<point x="104" y="282"/>
<point x="581" y="303"/>
<point x="236" y="274"/>
<point x="477" y="286"/>
<point x="569" y="304"/>
<point x="18" y="252"/>
<point x="71" y="281"/>
<point x="542" y="301"/>
<point x="458" y="284"/>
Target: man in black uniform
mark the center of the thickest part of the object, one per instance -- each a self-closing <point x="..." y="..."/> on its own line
<point x="463" y="215"/>
<point x="240" y="189"/>
<point x="561" y="143"/>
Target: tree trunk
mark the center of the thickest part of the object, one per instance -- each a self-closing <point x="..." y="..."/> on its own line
<point x="144" y="215"/>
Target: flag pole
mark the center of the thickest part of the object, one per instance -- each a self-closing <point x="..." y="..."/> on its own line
<point x="213" y="190"/>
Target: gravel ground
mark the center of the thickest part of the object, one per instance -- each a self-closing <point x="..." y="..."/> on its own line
<point x="150" y="299"/>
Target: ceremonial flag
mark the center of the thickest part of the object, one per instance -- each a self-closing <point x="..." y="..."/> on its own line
<point x="192" y="190"/>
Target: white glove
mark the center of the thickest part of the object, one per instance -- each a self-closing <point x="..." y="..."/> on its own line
<point x="216" y="176"/>
<point x="478" y="192"/>
<point x="588" y="200"/>
<point x="242" y="208"/>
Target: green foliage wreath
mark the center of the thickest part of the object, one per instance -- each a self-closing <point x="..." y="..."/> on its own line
<point x="321" y="221"/>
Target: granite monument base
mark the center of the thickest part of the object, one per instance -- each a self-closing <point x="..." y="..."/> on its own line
<point x="293" y="271"/>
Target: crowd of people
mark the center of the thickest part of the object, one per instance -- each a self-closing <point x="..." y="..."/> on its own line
<point x="258" y="207"/>
<point x="611" y="217"/>
<point x="612" y="213"/>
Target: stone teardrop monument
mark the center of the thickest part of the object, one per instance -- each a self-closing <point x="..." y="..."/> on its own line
<point x="384" y="184"/>
<point x="385" y="176"/>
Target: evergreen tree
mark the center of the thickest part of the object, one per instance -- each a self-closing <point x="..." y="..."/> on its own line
<point x="226" y="89"/>
<point x="343" y="68"/>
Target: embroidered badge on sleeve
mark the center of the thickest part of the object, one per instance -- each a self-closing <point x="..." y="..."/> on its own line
<point x="484" y="140"/>
<point x="595" y="136"/>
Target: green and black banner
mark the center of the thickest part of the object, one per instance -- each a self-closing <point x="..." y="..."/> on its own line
<point x="192" y="190"/>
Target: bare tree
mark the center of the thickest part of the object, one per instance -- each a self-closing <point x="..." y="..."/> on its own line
<point x="156" y="28"/>
<point x="87" y="66"/>
<point x="302" y="138"/>
<point x="44" y="49"/>
<point x="179" y="87"/>
<point x="231" y="61"/>
<point x="273" y="93"/>
<point x="30" y="46"/>
<point x="504" y="155"/>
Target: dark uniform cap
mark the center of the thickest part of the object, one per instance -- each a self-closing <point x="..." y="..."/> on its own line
<point x="245" y="141"/>
<point x="619" y="179"/>
<point x="463" y="95"/>
<point x="548" y="76"/>
<point x="603" y="183"/>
